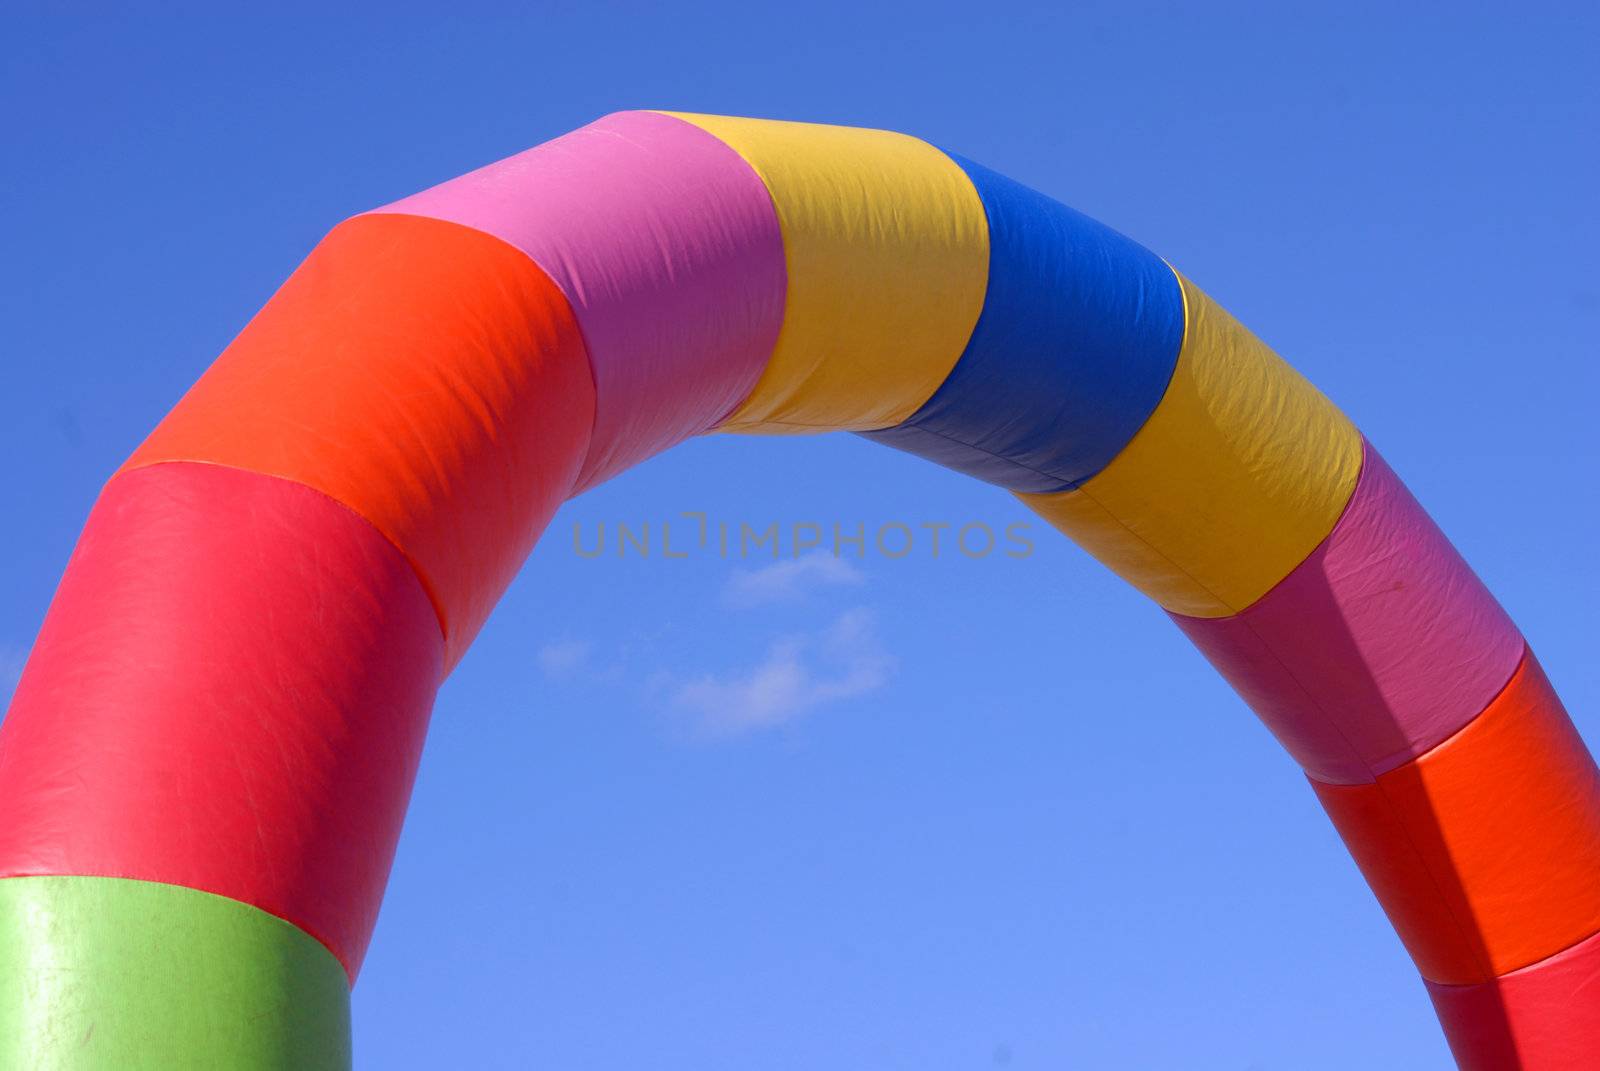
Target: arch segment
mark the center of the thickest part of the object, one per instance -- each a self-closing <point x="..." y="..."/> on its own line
<point x="205" y="766"/>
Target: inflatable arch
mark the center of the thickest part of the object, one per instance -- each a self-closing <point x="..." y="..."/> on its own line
<point x="205" y="764"/>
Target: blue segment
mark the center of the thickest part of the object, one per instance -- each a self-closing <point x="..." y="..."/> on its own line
<point x="1078" y="337"/>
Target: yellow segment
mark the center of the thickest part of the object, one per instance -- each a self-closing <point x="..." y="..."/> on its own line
<point x="887" y="248"/>
<point x="1238" y="474"/>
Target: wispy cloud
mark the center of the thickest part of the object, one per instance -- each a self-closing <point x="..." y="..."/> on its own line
<point x="798" y="675"/>
<point x="790" y="580"/>
<point x="564" y="657"/>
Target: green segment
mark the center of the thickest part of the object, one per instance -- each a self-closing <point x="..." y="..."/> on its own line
<point x="108" y="973"/>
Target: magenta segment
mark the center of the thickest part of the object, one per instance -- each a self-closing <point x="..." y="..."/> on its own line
<point x="1377" y="647"/>
<point x="1546" y="1016"/>
<point x="668" y="247"/>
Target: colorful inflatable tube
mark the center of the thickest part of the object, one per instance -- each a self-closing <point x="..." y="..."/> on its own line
<point x="205" y="765"/>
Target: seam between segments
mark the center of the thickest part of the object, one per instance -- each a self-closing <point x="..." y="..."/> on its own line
<point x="783" y="240"/>
<point x="577" y="324"/>
<point x="416" y="570"/>
<point x="1479" y="955"/>
<point x="297" y="927"/>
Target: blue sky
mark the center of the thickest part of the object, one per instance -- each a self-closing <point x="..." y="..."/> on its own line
<point x="930" y="812"/>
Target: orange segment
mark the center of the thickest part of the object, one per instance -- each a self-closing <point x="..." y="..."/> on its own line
<point x="1485" y="852"/>
<point x="427" y="376"/>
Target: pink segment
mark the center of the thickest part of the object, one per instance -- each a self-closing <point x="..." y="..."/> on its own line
<point x="1378" y="646"/>
<point x="667" y="245"/>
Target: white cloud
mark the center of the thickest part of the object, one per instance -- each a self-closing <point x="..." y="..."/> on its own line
<point x="564" y="657"/>
<point x="789" y="580"/>
<point x="798" y="675"/>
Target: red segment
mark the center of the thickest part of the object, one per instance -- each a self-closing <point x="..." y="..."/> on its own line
<point x="1485" y="852"/>
<point x="230" y="693"/>
<point x="1546" y="1016"/>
